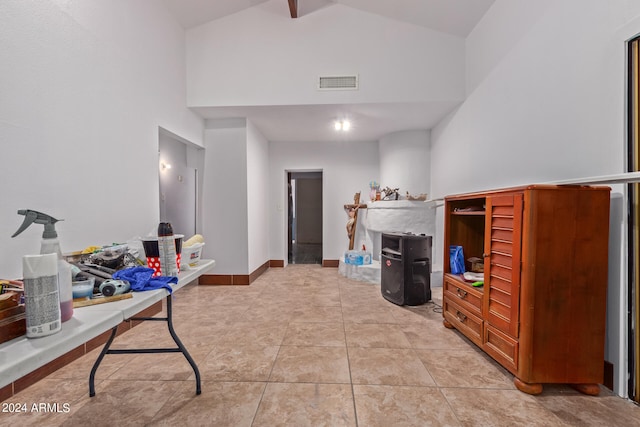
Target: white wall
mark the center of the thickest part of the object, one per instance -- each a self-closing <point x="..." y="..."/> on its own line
<point x="225" y="201"/>
<point x="257" y="197"/>
<point x="501" y="30"/>
<point x="546" y="102"/>
<point x="85" y="86"/>
<point x="235" y="196"/>
<point x="347" y="167"/>
<point x="260" y="56"/>
<point x="405" y="162"/>
<point x="551" y="107"/>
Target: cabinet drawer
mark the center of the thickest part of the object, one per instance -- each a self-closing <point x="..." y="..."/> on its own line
<point x="464" y="295"/>
<point x="462" y="320"/>
<point x="501" y="347"/>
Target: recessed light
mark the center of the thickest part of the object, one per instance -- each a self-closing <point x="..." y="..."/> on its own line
<point x="342" y="125"/>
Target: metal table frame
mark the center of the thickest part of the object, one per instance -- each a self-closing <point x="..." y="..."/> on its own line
<point x="179" y="349"/>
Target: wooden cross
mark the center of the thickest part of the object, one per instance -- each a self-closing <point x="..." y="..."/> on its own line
<point x="352" y="211"/>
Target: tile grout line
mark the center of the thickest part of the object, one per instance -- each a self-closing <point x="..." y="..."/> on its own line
<point x="267" y="381"/>
<point x="344" y="330"/>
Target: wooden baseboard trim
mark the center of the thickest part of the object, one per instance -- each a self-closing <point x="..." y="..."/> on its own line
<point x="234" y="279"/>
<point x="101" y="339"/>
<point x="224" y="279"/>
<point x="215" y="279"/>
<point x="258" y="272"/>
<point x="6" y="392"/>
<point x="147" y="312"/>
<point x="35" y="376"/>
<point x="247" y="279"/>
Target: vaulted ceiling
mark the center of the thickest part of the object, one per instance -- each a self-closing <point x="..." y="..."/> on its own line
<point x="454" y="17"/>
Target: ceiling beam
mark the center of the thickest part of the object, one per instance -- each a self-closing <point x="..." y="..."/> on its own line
<point x="293" y="8"/>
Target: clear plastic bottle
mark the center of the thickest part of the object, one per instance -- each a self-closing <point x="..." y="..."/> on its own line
<point x="167" y="250"/>
<point x="65" y="285"/>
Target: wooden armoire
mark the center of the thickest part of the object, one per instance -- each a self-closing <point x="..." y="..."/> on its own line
<point x="541" y="310"/>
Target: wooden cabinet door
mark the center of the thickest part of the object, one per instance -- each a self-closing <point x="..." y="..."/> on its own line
<point x="503" y="242"/>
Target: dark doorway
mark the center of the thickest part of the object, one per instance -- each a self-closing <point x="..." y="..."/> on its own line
<point x="305" y="217"/>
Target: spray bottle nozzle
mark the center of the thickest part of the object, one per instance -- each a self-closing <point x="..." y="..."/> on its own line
<point x="31" y="216"/>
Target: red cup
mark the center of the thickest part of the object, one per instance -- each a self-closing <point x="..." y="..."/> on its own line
<point x="154" y="263"/>
<point x="152" y="252"/>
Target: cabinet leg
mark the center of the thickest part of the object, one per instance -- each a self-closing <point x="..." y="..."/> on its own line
<point x="535" y="388"/>
<point x="447" y="324"/>
<point x="590" y="389"/>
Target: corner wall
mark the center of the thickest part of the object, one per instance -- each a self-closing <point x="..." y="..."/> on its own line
<point x="257" y="197"/>
<point x="224" y="201"/>
<point x="235" y="196"/>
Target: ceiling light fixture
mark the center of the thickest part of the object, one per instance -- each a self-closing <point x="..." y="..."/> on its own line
<point x="342" y="125"/>
<point x="165" y="166"/>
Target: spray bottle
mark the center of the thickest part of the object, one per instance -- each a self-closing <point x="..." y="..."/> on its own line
<point x="167" y="250"/>
<point x="50" y="244"/>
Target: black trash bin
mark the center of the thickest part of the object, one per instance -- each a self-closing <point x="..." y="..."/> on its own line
<point x="406" y="268"/>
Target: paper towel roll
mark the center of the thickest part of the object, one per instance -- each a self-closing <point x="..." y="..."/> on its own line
<point x="41" y="295"/>
<point x="34" y="266"/>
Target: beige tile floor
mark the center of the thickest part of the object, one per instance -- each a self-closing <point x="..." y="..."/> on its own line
<point x="304" y="346"/>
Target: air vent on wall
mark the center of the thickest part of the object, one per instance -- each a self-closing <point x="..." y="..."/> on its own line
<point x="338" y="82"/>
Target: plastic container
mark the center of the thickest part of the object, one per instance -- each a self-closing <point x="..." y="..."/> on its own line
<point x="64" y="277"/>
<point x="83" y="288"/>
<point x="152" y="252"/>
<point x="357" y="258"/>
<point x="191" y="255"/>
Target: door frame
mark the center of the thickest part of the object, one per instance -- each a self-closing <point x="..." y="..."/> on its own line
<point x="289" y="202"/>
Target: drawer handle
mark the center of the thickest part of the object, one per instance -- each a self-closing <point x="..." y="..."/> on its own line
<point x="461" y="293"/>
<point x="461" y="317"/>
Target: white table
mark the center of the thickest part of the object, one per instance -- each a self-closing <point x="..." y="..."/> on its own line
<point x="23" y="355"/>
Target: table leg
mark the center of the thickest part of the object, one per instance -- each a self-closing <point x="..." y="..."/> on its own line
<point x="179" y="349"/>
<point x="105" y="350"/>
<point x="181" y="346"/>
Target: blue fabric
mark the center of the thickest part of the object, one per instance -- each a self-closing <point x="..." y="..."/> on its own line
<point x="141" y="279"/>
